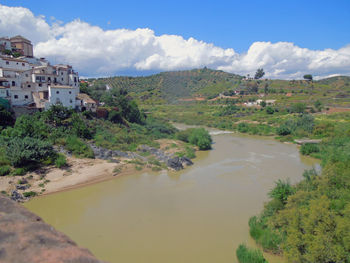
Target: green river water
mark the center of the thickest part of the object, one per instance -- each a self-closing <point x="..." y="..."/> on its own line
<point x="199" y="214"/>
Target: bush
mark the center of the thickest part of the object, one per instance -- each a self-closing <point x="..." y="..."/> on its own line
<point x="309" y="148"/>
<point x="184" y="135"/>
<point x="263" y="235"/>
<point x="19" y="171"/>
<point x="270" y="110"/>
<point x="248" y="255"/>
<point x="201" y="138"/>
<point x="28" y="151"/>
<point x="78" y="147"/>
<point x="5" y="170"/>
<point x="281" y="191"/>
<point x="60" y="161"/>
<point x="243" y="127"/>
<point x="29" y="194"/>
<point x="283" y="130"/>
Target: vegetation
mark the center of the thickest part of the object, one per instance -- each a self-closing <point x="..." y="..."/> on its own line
<point x="310" y="222"/>
<point x="248" y="255"/>
<point x="259" y="73"/>
<point x="196" y="136"/>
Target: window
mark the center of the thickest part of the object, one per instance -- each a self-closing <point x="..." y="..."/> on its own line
<point x="23" y="64"/>
<point x="75" y="79"/>
<point x="13" y="83"/>
<point x="40" y="85"/>
<point x="7" y="63"/>
<point x="26" y="96"/>
<point x="62" y="79"/>
<point x="48" y="78"/>
<point x="15" y="96"/>
<point x="70" y="101"/>
<point x="27" y="75"/>
<point x="57" y="92"/>
<point x="70" y="92"/>
<point x="61" y="73"/>
<point x="28" y="86"/>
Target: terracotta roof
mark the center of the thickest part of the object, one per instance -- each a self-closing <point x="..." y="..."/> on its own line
<point x="84" y="97"/>
<point x="2" y="87"/>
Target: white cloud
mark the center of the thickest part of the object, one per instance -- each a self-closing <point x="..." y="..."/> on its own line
<point x="97" y="52"/>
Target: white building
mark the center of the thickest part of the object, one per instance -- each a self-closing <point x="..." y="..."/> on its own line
<point x="63" y="95"/>
<point x="34" y="83"/>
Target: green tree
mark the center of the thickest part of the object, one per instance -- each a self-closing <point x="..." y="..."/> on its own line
<point x="26" y="151"/>
<point x="259" y="73"/>
<point x="308" y="77"/>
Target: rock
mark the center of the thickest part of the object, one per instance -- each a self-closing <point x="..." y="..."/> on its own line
<point x="25" y="237"/>
<point x="186" y="161"/>
<point x="175" y="163"/>
<point x="15" y="196"/>
<point x="22" y="187"/>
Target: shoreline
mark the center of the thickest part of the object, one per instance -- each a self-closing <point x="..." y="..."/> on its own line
<point x="80" y="172"/>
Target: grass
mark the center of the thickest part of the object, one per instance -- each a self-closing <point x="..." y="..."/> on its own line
<point x="248" y="255"/>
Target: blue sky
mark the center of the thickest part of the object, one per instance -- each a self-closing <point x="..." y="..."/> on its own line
<point x="229" y="24"/>
<point x="313" y="25"/>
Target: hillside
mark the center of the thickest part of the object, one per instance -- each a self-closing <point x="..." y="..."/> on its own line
<point x="170" y="87"/>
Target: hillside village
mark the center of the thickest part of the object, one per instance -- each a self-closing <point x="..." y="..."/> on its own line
<point x="32" y="84"/>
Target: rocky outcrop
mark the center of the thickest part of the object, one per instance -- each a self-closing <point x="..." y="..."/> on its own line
<point x="25" y="237"/>
<point x="172" y="161"/>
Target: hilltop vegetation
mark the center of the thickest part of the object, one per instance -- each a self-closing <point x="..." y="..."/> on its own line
<point x="168" y="86"/>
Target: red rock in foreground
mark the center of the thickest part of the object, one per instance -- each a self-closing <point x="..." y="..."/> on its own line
<point x="25" y="237"/>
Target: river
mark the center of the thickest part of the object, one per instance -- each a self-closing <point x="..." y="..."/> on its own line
<point x="199" y="214"/>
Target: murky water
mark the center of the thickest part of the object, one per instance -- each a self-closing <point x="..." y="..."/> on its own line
<point x="196" y="215"/>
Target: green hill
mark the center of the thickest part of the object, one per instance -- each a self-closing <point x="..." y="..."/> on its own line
<point x="170" y="86"/>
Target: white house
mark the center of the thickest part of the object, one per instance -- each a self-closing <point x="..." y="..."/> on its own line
<point x="63" y="95"/>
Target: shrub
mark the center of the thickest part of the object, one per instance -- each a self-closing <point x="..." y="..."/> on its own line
<point x="248" y="255"/>
<point x="201" y="138"/>
<point x="78" y="147"/>
<point x="270" y="110"/>
<point x="5" y="170"/>
<point x="309" y="148"/>
<point x="263" y="235"/>
<point x="19" y="171"/>
<point x="243" y="127"/>
<point x="29" y="194"/>
<point x="184" y="135"/>
<point x="60" y="161"/>
<point x="281" y="191"/>
<point x="26" y="151"/>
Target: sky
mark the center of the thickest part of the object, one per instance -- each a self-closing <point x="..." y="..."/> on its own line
<point x="104" y="38"/>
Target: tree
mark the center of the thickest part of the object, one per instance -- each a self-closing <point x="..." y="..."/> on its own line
<point x="259" y="73"/>
<point x="25" y="151"/>
<point x="263" y="104"/>
<point x="6" y="118"/>
<point x="308" y="77"/>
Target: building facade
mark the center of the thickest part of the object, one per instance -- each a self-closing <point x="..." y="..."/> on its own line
<point x="35" y="83"/>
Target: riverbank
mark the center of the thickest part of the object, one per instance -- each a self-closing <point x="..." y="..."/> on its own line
<point x="81" y="172"/>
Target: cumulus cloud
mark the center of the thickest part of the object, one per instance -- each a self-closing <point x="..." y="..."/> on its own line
<point x="97" y="52"/>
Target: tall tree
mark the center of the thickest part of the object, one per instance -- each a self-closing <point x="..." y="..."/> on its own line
<point x="308" y="77"/>
<point x="259" y="73"/>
